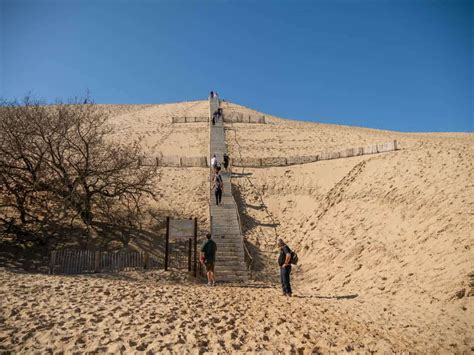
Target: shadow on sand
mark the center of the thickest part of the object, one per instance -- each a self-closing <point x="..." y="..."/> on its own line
<point x="344" y="297"/>
<point x="249" y="222"/>
<point x="240" y="175"/>
<point x="32" y="255"/>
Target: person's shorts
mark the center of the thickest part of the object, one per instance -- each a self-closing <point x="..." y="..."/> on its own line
<point x="210" y="267"/>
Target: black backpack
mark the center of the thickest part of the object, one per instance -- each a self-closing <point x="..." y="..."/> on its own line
<point x="294" y="258"/>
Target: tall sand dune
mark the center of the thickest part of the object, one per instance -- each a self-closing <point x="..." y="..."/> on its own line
<point x="385" y="243"/>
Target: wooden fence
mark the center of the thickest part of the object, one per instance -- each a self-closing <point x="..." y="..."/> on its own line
<point x="175" y="161"/>
<point x="239" y="117"/>
<point x="87" y="261"/>
<point x="346" y="153"/>
<point x="189" y="119"/>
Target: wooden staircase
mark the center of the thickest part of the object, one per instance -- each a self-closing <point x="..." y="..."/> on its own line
<point x="225" y="223"/>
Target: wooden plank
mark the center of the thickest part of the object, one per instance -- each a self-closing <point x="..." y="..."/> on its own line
<point x="65" y="259"/>
<point x="97" y="261"/>
<point x="52" y="262"/>
<point x="195" y="245"/>
<point x="78" y="262"/>
<point x="86" y="261"/>
<point x="75" y="261"/>
<point x="61" y="262"/>
<point x="83" y="261"/>
<point x="167" y="243"/>
<point x="67" y="266"/>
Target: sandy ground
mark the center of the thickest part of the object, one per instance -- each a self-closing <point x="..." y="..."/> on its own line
<point x="385" y="241"/>
<point x="156" y="312"/>
<point x="151" y="125"/>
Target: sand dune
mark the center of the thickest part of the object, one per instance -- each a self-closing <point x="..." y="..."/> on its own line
<point x="385" y="241"/>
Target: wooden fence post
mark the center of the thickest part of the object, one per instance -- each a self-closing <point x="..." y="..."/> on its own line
<point x="190" y="248"/>
<point x="97" y="261"/>
<point x="195" y="246"/>
<point x="146" y="260"/>
<point x="167" y="241"/>
<point x="395" y="145"/>
<point x="52" y="262"/>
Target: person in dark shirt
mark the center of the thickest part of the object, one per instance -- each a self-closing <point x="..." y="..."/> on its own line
<point x="208" y="258"/>
<point x="218" y="186"/>
<point x="284" y="262"/>
<point x="226" y="161"/>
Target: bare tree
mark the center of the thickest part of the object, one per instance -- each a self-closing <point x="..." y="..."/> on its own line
<point x="59" y="163"/>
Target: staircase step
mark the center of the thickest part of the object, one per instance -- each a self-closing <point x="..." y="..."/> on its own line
<point x="222" y="261"/>
<point x="231" y="268"/>
<point x="232" y="274"/>
<point x="230" y="254"/>
<point x="227" y="237"/>
<point x="230" y="248"/>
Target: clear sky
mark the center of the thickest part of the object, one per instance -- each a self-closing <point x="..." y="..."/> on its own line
<point x="401" y="65"/>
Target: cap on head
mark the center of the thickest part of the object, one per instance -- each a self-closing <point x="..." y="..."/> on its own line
<point x="208" y="235"/>
<point x="280" y="242"/>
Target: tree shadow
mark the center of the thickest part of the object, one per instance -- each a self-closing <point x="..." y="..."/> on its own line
<point x="150" y="240"/>
<point x="32" y="254"/>
<point x="29" y="251"/>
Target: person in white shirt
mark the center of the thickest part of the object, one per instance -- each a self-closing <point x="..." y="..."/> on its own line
<point x="214" y="163"/>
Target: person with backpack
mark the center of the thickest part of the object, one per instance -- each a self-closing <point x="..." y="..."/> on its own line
<point x="218" y="185"/>
<point x="226" y="161"/>
<point x="208" y="258"/>
<point x="284" y="262"/>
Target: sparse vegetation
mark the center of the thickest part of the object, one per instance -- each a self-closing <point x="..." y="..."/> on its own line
<point x="60" y="171"/>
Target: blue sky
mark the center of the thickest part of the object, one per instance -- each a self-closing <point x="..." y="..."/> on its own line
<point x="401" y="65"/>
